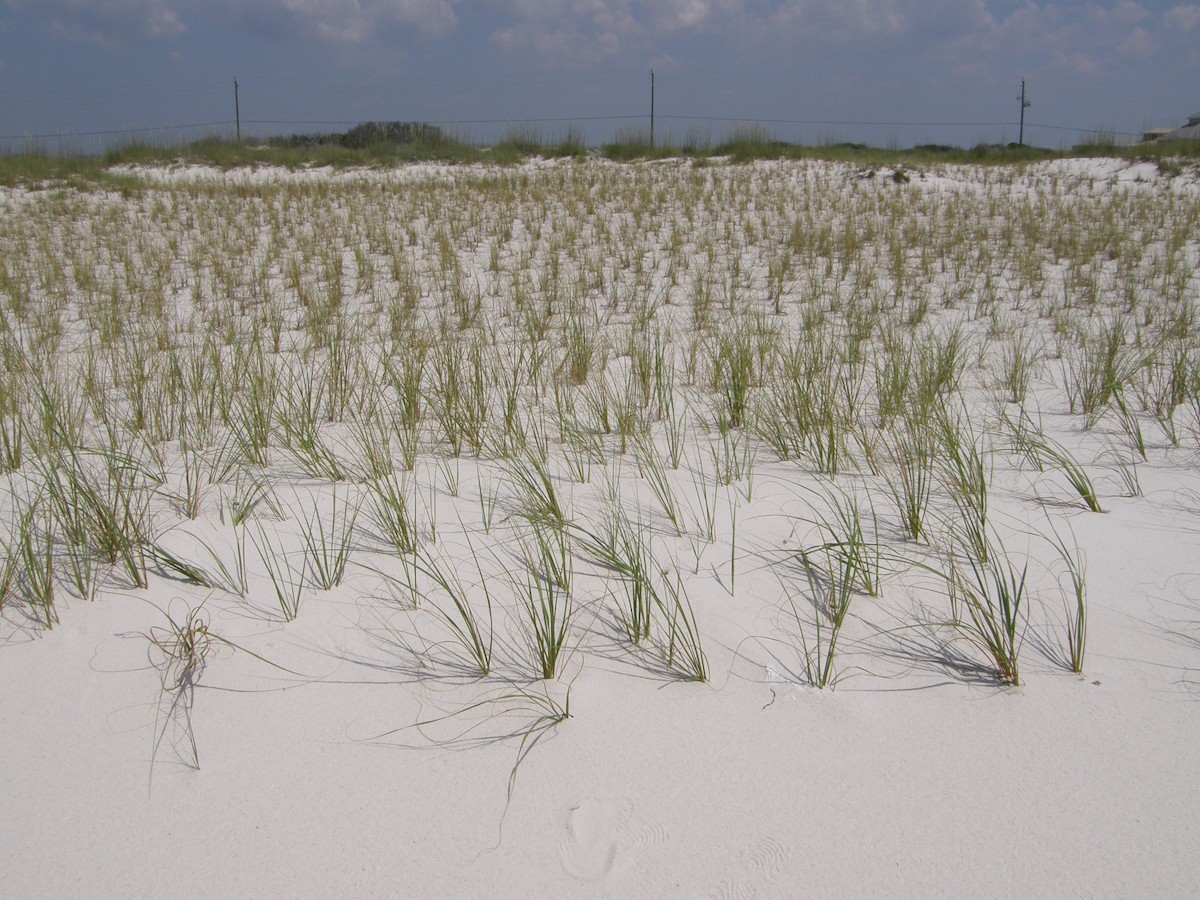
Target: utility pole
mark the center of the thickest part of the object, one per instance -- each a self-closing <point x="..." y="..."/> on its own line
<point x="651" y="107"/>
<point x="237" y="111"/>
<point x="1025" y="104"/>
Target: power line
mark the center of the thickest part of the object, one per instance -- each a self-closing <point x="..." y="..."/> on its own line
<point x="833" y="122"/>
<point x="507" y="121"/>
<point x="548" y="119"/>
<point x="411" y="81"/>
<point x="273" y="87"/>
<point x="73" y="134"/>
<point x="753" y="121"/>
<point x="1088" y="130"/>
<point x="157" y="88"/>
<point x="346" y="123"/>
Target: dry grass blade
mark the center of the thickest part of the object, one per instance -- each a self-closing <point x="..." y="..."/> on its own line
<point x="182" y="649"/>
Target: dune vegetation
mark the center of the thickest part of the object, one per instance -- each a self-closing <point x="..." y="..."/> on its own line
<point x="818" y="423"/>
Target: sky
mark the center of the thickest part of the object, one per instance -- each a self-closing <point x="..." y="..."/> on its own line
<point x="884" y="72"/>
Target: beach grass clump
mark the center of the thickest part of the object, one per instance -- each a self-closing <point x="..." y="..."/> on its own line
<point x="654" y="472"/>
<point x="849" y="547"/>
<point x="35" y="560"/>
<point x="1020" y="363"/>
<point x="1133" y="428"/>
<point x="534" y="486"/>
<point x="681" y="647"/>
<point x="808" y="407"/>
<point x="993" y="592"/>
<point x="303" y="408"/>
<point x="910" y="451"/>
<point x="1163" y="384"/>
<point x="940" y="359"/>
<point x="329" y="541"/>
<point x="287" y="581"/>
<point x="225" y="576"/>
<point x="1059" y="456"/>
<point x="734" y="374"/>
<point x="390" y="506"/>
<point x="832" y="587"/>
<point x="1074" y="602"/>
<point x="473" y="630"/>
<point x="1099" y="368"/>
<point x="251" y="493"/>
<point x="965" y="469"/>
<point x="545" y="596"/>
<point x="653" y="609"/>
<point x="619" y="546"/>
<point x="12" y="434"/>
<point x="1031" y="441"/>
<point x="101" y="500"/>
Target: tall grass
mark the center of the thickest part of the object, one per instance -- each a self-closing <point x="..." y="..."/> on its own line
<point x="993" y="593"/>
<point x="9" y="570"/>
<point x="833" y="589"/>
<point x="535" y="487"/>
<point x="517" y="337"/>
<point x="329" y="542"/>
<point x="682" y="646"/>
<point x="1100" y="368"/>
<point x="287" y="582"/>
<point x="548" y="607"/>
<point x="851" y="546"/>
<point x="618" y="545"/>
<point x="1075" y="603"/>
<point x="101" y="501"/>
<point x="226" y="576"/>
<point x="654" y="472"/>
<point x="966" y="472"/>
<point x="473" y="630"/>
<point x="910" y="451"/>
<point x="35" y="556"/>
<point x="390" y="504"/>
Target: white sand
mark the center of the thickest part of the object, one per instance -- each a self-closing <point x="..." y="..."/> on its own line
<point x="917" y="774"/>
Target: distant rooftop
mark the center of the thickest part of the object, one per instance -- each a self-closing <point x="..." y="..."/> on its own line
<point x="1188" y="132"/>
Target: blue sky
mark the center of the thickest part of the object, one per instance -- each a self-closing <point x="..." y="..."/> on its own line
<point x="932" y="70"/>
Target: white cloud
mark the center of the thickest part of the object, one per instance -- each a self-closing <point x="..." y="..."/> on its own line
<point x="675" y="15"/>
<point x="839" y="21"/>
<point x="855" y="20"/>
<point x="344" y="22"/>
<point x="1085" y="37"/>
<point x="571" y="30"/>
<point x="1138" y="43"/>
<point x="1075" y="34"/>
<point x="354" y="21"/>
<point x="586" y="31"/>
<point x="1182" y="18"/>
<point x="665" y="63"/>
<point x="112" y="22"/>
<point x="683" y="13"/>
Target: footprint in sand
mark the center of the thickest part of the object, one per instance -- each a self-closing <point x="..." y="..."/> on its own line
<point x="764" y="861"/>
<point x="602" y="836"/>
<point x="768" y="858"/>
<point x="732" y="889"/>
